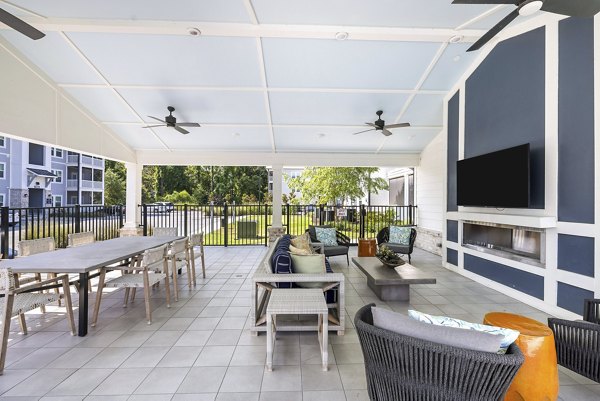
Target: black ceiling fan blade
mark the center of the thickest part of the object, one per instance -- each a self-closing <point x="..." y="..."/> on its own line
<point x="494" y="31"/>
<point x="153" y="126"/>
<point x="158" y="119"/>
<point x="386" y="132"/>
<point x="367" y="130"/>
<point x="179" y="129"/>
<point x="485" y="2"/>
<point x="19" y="25"/>
<point x="572" y="8"/>
<point x="401" y="125"/>
<point x="187" y="124"/>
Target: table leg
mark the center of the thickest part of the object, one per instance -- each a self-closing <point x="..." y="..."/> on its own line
<point x="322" y="335"/>
<point x="83" y="304"/>
<point x="269" y="342"/>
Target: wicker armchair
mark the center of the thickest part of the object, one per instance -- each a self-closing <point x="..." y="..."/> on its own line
<point x="340" y="249"/>
<point x="32" y="247"/>
<point x="383" y="238"/>
<point x="197" y="240"/>
<point x="78" y="239"/>
<point x="578" y="342"/>
<point x="402" y="368"/>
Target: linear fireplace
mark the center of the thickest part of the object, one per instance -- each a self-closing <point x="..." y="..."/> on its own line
<point x="523" y="244"/>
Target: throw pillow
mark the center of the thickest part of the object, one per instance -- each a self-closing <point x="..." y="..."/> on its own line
<point x="400" y="235"/>
<point x="508" y="335"/>
<point x="302" y="242"/>
<point x="326" y="236"/>
<point x="467" y="339"/>
<point x="308" y="264"/>
<point x="299" y="251"/>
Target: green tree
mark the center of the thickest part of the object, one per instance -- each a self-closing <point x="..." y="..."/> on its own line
<point x="179" y="198"/>
<point x="330" y="184"/>
<point x="114" y="188"/>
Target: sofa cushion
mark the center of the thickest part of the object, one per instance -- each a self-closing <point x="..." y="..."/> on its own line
<point x="326" y="236"/>
<point x="400" y="235"/>
<point x="299" y="251"/>
<point x="468" y="339"/>
<point x="309" y="264"/>
<point x="508" y="336"/>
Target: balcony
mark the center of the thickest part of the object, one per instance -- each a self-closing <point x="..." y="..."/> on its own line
<point x="72" y="159"/>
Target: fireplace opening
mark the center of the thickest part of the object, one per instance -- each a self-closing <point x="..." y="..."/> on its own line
<point x="524" y="244"/>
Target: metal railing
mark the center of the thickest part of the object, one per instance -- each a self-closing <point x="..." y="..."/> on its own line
<point x="231" y="224"/>
<point x="18" y="224"/>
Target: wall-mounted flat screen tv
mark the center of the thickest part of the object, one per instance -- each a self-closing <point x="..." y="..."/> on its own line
<point x="498" y="179"/>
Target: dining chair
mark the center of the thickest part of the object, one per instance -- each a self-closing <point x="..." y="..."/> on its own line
<point x="18" y="300"/>
<point x="164" y="231"/>
<point x="144" y="272"/>
<point x="30" y="247"/>
<point x="78" y="239"/>
<point x="178" y="256"/>
<point x="197" y="240"/>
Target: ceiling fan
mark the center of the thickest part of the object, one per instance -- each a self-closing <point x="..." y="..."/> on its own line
<point x="571" y="8"/>
<point x="171" y="121"/>
<point x="19" y="25"/>
<point x="379" y="125"/>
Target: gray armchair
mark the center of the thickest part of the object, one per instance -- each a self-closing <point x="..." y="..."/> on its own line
<point x="334" y="250"/>
<point x="383" y="238"/>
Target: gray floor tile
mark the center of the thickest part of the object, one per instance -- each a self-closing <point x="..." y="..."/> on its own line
<point x="40" y="382"/>
<point x="282" y="378"/>
<point x="207" y="379"/>
<point x="82" y="382"/>
<point x="122" y="381"/>
<point x="180" y="357"/>
<point x="215" y="355"/>
<point x="242" y="379"/>
<point x="313" y="378"/>
<point x="162" y="381"/>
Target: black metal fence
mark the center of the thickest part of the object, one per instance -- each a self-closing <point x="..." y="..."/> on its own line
<point x="18" y="224"/>
<point x="231" y="224"/>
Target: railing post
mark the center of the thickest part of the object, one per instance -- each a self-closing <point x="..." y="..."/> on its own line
<point x="185" y="220"/>
<point x="225" y="225"/>
<point x="145" y="218"/>
<point x="361" y="220"/>
<point x="321" y="213"/>
<point x="266" y="224"/>
<point x="120" y="216"/>
<point x="77" y="218"/>
<point x="4" y="229"/>
<point x="287" y="216"/>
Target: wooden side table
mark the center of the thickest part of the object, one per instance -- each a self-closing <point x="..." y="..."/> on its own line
<point x="537" y="379"/>
<point x="297" y="301"/>
<point x="367" y="246"/>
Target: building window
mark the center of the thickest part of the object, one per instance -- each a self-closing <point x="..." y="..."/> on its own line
<point x="57" y="200"/>
<point x="1" y="200"/>
<point x="2" y="142"/>
<point x="2" y="170"/>
<point x="56" y="152"/>
<point x="59" y="174"/>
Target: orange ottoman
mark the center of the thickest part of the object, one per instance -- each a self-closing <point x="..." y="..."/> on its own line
<point x="367" y="246"/>
<point x="537" y="380"/>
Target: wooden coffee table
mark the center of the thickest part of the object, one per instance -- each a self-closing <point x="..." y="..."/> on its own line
<point x="391" y="284"/>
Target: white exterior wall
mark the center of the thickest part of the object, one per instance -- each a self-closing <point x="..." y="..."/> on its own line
<point x="429" y="189"/>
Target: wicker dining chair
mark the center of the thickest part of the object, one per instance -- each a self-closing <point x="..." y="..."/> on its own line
<point x="197" y="240"/>
<point x="16" y="301"/>
<point x="145" y="271"/>
<point x="33" y="247"/>
<point x="164" y="232"/>
<point x="404" y="368"/>
<point x="78" y="239"/>
<point x="178" y="255"/>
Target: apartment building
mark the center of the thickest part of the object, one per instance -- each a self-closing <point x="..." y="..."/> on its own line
<point x="33" y="175"/>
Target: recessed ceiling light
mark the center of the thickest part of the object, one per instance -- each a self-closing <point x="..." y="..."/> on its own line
<point x="341" y="35"/>
<point x="411" y="137"/>
<point x="236" y="134"/>
<point x="455" y="39"/>
<point x="530" y="7"/>
<point x="321" y="135"/>
<point x="194" y="31"/>
<point x="456" y="58"/>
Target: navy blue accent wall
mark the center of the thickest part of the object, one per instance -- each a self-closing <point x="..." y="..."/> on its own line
<point x="519" y="280"/>
<point x="452" y="256"/>
<point x="453" y="121"/>
<point x="452" y="230"/>
<point x="576" y="121"/>
<point x="571" y="298"/>
<point x="505" y="104"/>
<point x="576" y="254"/>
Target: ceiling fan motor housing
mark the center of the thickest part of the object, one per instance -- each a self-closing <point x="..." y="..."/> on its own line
<point x="170" y="120"/>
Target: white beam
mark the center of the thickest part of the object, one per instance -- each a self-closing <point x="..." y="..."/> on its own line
<point x="184" y="158"/>
<point x="252" y="30"/>
<point x="133" y="194"/>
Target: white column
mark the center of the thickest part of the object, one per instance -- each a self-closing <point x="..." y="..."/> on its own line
<point x="277" y="192"/>
<point x="133" y="194"/>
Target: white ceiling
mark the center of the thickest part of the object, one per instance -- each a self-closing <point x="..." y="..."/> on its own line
<point x="265" y="75"/>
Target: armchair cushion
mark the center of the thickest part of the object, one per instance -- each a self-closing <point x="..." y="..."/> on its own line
<point x="456" y="337"/>
<point x="400" y="235"/>
<point x="327" y="236"/>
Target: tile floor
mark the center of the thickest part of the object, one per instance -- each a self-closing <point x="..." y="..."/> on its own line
<point x="200" y="349"/>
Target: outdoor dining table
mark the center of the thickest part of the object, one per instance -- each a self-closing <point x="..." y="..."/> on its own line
<point x="83" y="260"/>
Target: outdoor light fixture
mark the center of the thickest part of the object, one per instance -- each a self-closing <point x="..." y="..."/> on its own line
<point x="341" y="35"/>
<point x="530" y="7"/>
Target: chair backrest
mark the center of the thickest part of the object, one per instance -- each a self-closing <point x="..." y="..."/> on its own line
<point x="197" y="239"/>
<point x="7" y="283"/>
<point x="77" y="239"/>
<point x="179" y="246"/>
<point x="154" y="258"/>
<point x="591" y="310"/>
<point x="34" y="246"/>
<point x="164" y="231"/>
<point x="313" y="233"/>
<point x="384" y="236"/>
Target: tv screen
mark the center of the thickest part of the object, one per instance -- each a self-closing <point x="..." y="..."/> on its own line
<point x="497" y="179"/>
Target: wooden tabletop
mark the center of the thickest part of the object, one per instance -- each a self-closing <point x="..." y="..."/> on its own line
<point x="383" y="275"/>
<point x="85" y="258"/>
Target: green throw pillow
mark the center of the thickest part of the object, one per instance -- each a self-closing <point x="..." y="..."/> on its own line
<point x="400" y="235"/>
<point x="326" y="236"/>
<point x="308" y="264"/>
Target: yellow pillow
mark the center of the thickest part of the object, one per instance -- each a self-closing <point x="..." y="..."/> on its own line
<point x="299" y="251"/>
<point x="302" y="242"/>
